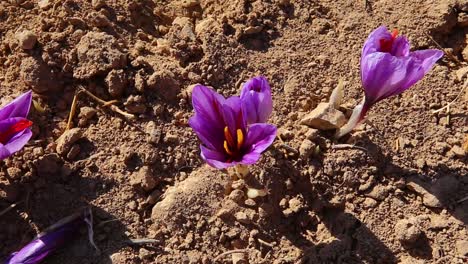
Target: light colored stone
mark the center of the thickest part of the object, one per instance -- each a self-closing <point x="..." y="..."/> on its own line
<point x="242" y="218"/>
<point x="306" y="149"/>
<point x="43" y="4"/>
<point x="144" y="178"/>
<point x="462" y="247"/>
<point x="461" y="73"/>
<point x="379" y="193"/>
<point x="369" y="202"/>
<point x="407" y="231"/>
<point x="429" y="199"/>
<point x="253" y="30"/>
<point x="324" y="117"/>
<point x="67" y="139"/>
<point x="27" y="39"/>
<point x="458" y="151"/>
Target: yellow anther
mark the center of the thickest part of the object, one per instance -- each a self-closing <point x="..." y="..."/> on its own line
<point x="226" y="147"/>
<point x="240" y="138"/>
<point x="228" y="137"/>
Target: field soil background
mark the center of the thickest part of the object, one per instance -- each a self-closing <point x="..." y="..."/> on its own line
<point x="394" y="195"/>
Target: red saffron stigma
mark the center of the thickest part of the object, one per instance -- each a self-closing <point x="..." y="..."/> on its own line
<point x="386" y="44"/>
<point x="15" y="128"/>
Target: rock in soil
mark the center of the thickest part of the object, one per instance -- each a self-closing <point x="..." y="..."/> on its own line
<point x="165" y="84"/>
<point x="98" y="53"/>
<point x="144" y="178"/>
<point x="407" y="232"/>
<point x="27" y="39"/>
<point x="67" y="139"/>
<point x="324" y="117"/>
<point x="116" y="82"/>
<point x="37" y="75"/>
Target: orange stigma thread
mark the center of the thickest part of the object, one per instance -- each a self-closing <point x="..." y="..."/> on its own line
<point x="15" y="128"/>
<point x="387" y="44"/>
<point x="232" y="147"/>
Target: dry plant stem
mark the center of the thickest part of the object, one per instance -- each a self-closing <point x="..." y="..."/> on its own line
<point x="72" y="111"/>
<point x="462" y="200"/>
<point x="453" y="101"/>
<point x="229" y="252"/>
<point x="263" y="242"/>
<point x="337" y="95"/>
<point x="441" y="48"/>
<point x="110" y="104"/>
<point x="142" y="241"/>
<point x="6" y="210"/>
<point x="353" y="121"/>
<point x="347" y="146"/>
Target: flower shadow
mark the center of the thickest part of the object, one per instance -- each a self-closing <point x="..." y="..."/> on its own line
<point x="438" y="185"/>
<point x="324" y="232"/>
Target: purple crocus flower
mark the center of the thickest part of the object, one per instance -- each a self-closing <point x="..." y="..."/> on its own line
<point x="228" y="137"/>
<point x="49" y="241"/>
<point x="388" y="68"/>
<point x="14" y="126"/>
<point x="256" y="100"/>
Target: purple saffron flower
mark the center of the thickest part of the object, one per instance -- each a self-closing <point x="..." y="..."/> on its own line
<point x="54" y="237"/>
<point x="14" y="127"/>
<point x="388" y="68"/>
<point x="227" y="137"/>
<point x="257" y="103"/>
<point x="49" y="241"/>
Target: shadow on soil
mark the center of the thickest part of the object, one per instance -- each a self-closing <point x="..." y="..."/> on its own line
<point x="352" y="242"/>
<point x="51" y="198"/>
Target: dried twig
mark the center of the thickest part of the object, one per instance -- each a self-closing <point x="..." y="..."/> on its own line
<point x="265" y="243"/>
<point x="72" y="111"/>
<point x="465" y="85"/>
<point x="463" y="199"/>
<point x="107" y="103"/>
<point x="347" y="146"/>
<point x="440" y="47"/>
<point x="230" y="252"/>
<point x="11" y="206"/>
<point x="142" y="241"/>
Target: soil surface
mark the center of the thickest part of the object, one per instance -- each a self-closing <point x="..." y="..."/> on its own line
<point x="396" y="197"/>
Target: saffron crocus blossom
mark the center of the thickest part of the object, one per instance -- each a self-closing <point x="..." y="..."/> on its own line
<point x="14" y="126"/>
<point x="50" y="240"/>
<point x="227" y="137"/>
<point x="388" y="68"/>
<point x="256" y="100"/>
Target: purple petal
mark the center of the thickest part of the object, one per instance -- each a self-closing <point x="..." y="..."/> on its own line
<point x="208" y="105"/>
<point x="384" y="75"/>
<point x="41" y="247"/>
<point x="372" y="44"/>
<point x="208" y="122"/>
<point x="233" y="115"/>
<point x="214" y="158"/>
<point x="209" y="133"/>
<point x="259" y="138"/>
<point x="257" y="103"/>
<point x="400" y="47"/>
<point x="427" y="58"/>
<point x="17" y="141"/>
<point x="19" y="107"/>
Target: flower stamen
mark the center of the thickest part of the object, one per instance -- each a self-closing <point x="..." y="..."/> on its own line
<point x="228" y="137"/>
<point x="226" y="147"/>
<point x="240" y="138"/>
